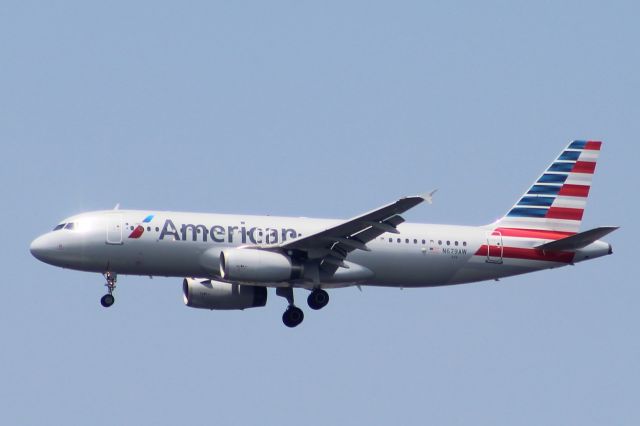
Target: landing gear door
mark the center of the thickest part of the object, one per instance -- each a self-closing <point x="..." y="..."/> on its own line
<point x="494" y="247"/>
<point x="114" y="229"/>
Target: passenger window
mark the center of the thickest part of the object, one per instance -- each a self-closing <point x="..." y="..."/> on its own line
<point x="57" y="228"/>
<point x="69" y="226"/>
<point x="439" y="242"/>
<point x="424" y="242"/>
<point x="390" y="240"/>
<point x="415" y="241"/>
<point x="448" y="243"/>
<point x="464" y="243"/>
<point x="456" y="243"/>
<point x="148" y="228"/>
<point x="406" y="241"/>
<point x="399" y="240"/>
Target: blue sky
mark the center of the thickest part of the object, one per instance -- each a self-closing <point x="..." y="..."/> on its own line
<point x="323" y="109"/>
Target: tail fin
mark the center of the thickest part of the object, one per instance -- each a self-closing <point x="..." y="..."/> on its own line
<point x="557" y="199"/>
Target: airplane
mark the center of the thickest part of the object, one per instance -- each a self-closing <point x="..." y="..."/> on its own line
<point x="228" y="261"/>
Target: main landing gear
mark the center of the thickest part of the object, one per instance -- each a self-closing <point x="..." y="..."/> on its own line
<point x="294" y="316"/>
<point x="318" y="299"/>
<point x="108" y="299"/>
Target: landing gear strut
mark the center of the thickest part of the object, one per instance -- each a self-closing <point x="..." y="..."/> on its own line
<point x="293" y="316"/>
<point x="318" y="299"/>
<point x="108" y="299"/>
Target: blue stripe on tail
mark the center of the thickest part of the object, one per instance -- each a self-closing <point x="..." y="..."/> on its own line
<point x="569" y="155"/>
<point x="578" y="145"/>
<point x="551" y="178"/>
<point x="544" y="189"/>
<point x="527" y="212"/>
<point x="536" y="201"/>
<point x="561" y="167"/>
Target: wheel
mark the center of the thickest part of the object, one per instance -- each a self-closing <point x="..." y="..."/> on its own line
<point x="293" y="316"/>
<point x="107" y="300"/>
<point x="318" y="299"/>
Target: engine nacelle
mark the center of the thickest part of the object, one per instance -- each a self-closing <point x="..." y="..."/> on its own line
<point x="211" y="294"/>
<point x="252" y="265"/>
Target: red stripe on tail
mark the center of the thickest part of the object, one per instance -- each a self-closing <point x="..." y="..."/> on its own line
<point x="594" y="145"/>
<point x="574" y="190"/>
<point x="564" y="213"/>
<point x="584" y="167"/>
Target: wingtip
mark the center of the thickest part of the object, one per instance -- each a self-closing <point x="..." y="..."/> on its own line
<point x="428" y="196"/>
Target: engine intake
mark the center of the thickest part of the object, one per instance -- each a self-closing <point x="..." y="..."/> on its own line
<point x="211" y="294"/>
<point x="252" y="265"/>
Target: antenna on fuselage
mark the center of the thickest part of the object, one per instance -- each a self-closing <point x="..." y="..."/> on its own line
<point x="117" y="207"/>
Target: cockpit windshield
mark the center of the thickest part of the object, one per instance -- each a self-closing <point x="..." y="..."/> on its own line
<point x="69" y="226"/>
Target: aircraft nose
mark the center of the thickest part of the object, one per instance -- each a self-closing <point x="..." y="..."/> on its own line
<point x="42" y="247"/>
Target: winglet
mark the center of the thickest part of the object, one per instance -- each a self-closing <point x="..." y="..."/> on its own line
<point x="428" y="196"/>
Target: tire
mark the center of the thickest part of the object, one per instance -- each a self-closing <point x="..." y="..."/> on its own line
<point x="318" y="299"/>
<point x="292" y="317"/>
<point x="107" y="300"/>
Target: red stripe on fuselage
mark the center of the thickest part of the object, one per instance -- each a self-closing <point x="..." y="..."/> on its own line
<point x="527" y="254"/>
<point x="584" y="167"/>
<point x="533" y="233"/>
<point x="594" y="145"/>
<point x="574" y="190"/>
<point x="564" y="213"/>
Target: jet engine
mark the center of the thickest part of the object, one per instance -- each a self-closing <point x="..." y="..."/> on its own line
<point x="251" y="265"/>
<point x="211" y="294"/>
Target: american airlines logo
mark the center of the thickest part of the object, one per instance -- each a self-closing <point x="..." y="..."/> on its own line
<point x="139" y="230"/>
<point x="225" y="234"/>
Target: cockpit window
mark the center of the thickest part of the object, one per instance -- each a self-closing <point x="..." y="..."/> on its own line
<point x="70" y="226"/>
<point x="59" y="227"/>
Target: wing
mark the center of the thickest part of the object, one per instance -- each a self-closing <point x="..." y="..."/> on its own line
<point x="332" y="245"/>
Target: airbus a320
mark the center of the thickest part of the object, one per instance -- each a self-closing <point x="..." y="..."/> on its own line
<point x="228" y="261"/>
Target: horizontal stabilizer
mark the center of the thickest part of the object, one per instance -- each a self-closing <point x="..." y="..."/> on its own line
<point x="578" y="241"/>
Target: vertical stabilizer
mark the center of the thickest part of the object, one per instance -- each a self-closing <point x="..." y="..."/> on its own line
<point x="557" y="199"/>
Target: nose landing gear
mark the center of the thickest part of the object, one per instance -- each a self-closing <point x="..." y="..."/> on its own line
<point x="108" y="299"/>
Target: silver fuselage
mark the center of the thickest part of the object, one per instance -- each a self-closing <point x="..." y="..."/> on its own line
<point x="178" y="244"/>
